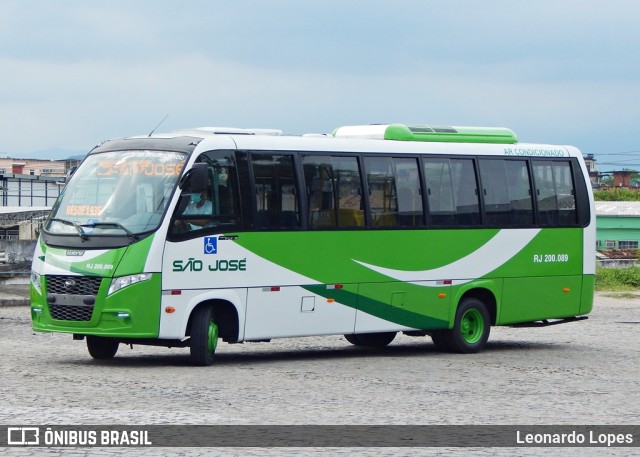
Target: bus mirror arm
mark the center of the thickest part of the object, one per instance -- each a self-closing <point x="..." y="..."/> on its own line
<point x="196" y="178"/>
<point x="182" y="204"/>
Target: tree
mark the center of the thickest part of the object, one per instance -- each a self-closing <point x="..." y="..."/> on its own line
<point x="617" y="194"/>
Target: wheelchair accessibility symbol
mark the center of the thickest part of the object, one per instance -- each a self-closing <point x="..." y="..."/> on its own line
<point x="210" y="245"/>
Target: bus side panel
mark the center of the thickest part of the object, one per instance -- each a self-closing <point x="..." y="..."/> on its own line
<point x="530" y="299"/>
<point x="295" y="311"/>
<point x="544" y="280"/>
<point x="588" y="287"/>
<point x="396" y="306"/>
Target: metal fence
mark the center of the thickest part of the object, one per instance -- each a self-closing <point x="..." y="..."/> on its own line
<point x="26" y="190"/>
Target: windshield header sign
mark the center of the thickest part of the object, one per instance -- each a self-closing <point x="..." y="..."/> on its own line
<point x="138" y="167"/>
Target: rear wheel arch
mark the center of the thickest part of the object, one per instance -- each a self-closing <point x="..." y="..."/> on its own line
<point x="487" y="297"/>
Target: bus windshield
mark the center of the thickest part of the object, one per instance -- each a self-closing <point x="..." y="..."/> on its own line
<point x="117" y="193"/>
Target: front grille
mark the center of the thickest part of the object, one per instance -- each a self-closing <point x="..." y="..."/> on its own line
<point x="71" y="313"/>
<point x="71" y="292"/>
<point x="73" y="285"/>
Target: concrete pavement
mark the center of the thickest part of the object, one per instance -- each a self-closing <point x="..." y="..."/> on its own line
<point x="14" y="295"/>
<point x="579" y="373"/>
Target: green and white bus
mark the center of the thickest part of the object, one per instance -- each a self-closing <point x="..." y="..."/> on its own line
<point x="185" y="238"/>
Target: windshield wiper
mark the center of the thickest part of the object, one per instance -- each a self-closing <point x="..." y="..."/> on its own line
<point x="74" y="225"/>
<point x="111" y="224"/>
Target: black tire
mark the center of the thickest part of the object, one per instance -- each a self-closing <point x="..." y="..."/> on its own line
<point x="373" y="340"/>
<point x="102" y="348"/>
<point x="204" y="336"/>
<point x="439" y="338"/>
<point x="471" y="329"/>
<point x="353" y="339"/>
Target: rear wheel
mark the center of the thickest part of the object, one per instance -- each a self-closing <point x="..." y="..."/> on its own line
<point x="439" y="338"/>
<point x="471" y="329"/>
<point x="204" y="336"/>
<point x="374" y="340"/>
<point x="102" y="348"/>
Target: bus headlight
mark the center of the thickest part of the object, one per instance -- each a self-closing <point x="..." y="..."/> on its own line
<point x="124" y="281"/>
<point x="35" y="280"/>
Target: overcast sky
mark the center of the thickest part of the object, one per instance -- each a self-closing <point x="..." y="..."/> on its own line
<point x="76" y="72"/>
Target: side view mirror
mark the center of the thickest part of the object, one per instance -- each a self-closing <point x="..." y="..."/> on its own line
<point x="196" y="178"/>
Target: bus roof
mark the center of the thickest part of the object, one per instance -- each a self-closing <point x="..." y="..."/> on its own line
<point x="440" y="134"/>
<point x="398" y="132"/>
<point x="363" y="138"/>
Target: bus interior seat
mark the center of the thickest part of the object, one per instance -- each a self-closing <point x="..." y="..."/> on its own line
<point x="289" y="219"/>
<point x="385" y="220"/>
<point x="265" y="218"/>
<point x="350" y="217"/>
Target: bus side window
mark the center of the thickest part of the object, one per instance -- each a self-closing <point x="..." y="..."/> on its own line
<point x="195" y="209"/>
<point x="520" y="194"/>
<point x="439" y="192"/>
<point x="506" y="192"/>
<point x="555" y="193"/>
<point x="494" y="190"/>
<point x="277" y="205"/>
<point x="452" y="192"/>
<point x="217" y="208"/>
<point x="466" y="192"/>
<point x="394" y="191"/>
<point x="383" y="200"/>
<point x="334" y="191"/>
<point x="224" y="192"/>
<point x="566" y="193"/>
<point x="410" y="211"/>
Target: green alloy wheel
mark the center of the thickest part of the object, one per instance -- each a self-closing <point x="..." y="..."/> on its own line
<point x="471" y="329"/>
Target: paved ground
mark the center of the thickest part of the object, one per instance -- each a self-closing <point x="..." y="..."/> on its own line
<point x="579" y="373"/>
<point x="14" y="295"/>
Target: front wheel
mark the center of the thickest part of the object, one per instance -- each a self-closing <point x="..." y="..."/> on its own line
<point x="471" y="329"/>
<point x="204" y="336"/>
<point x="101" y="348"/>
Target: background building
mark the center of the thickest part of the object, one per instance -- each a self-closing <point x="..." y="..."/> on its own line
<point x="594" y="174"/>
<point x="617" y="225"/>
<point x="32" y="182"/>
<point x="28" y="190"/>
<point x="36" y="167"/>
